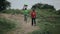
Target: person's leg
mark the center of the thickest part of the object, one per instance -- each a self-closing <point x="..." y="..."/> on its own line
<point x="24" y="17"/>
<point x="32" y="21"/>
<point x="35" y="21"/>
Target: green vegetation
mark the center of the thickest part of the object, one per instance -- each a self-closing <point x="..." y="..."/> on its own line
<point x="12" y="11"/>
<point x="58" y="12"/>
<point x="48" y="21"/>
<point x="6" y="25"/>
<point x="4" y="4"/>
<point x="43" y="6"/>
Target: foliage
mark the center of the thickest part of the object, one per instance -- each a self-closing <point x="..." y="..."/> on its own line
<point x="12" y="11"/>
<point x="4" y="4"/>
<point x="58" y="12"/>
<point x="6" y="25"/>
<point x="43" y="6"/>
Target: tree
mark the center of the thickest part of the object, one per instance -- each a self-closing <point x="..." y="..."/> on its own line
<point x="38" y="5"/>
<point x="43" y="6"/>
<point x="4" y="4"/>
<point x="46" y="6"/>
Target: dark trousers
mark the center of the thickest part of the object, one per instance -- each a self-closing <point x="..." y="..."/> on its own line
<point x="33" y="21"/>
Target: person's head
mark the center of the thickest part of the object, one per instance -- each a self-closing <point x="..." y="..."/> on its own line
<point x="33" y="10"/>
<point x="25" y="8"/>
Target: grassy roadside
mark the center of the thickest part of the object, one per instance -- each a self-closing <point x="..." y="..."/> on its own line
<point x="6" y="25"/>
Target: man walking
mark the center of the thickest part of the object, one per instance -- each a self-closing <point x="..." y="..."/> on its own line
<point x="25" y="12"/>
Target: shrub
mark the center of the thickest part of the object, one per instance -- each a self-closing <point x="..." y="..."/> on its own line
<point x="12" y="11"/>
<point x="6" y="25"/>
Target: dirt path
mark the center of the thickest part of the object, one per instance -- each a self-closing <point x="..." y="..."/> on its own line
<point x="22" y="26"/>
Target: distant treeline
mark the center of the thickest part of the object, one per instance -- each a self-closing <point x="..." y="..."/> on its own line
<point x="43" y="6"/>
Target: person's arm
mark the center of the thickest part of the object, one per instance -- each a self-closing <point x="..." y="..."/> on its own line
<point x="35" y="15"/>
<point x="23" y="11"/>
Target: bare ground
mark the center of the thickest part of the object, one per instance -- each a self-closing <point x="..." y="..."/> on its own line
<point x="22" y="26"/>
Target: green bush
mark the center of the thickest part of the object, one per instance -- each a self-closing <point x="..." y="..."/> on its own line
<point x="40" y="32"/>
<point x="6" y="25"/>
<point x="12" y="11"/>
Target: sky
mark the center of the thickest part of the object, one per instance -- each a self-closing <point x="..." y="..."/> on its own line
<point x="18" y="4"/>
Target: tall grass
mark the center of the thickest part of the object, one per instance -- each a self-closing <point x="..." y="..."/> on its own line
<point x="6" y="25"/>
<point x="12" y="11"/>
